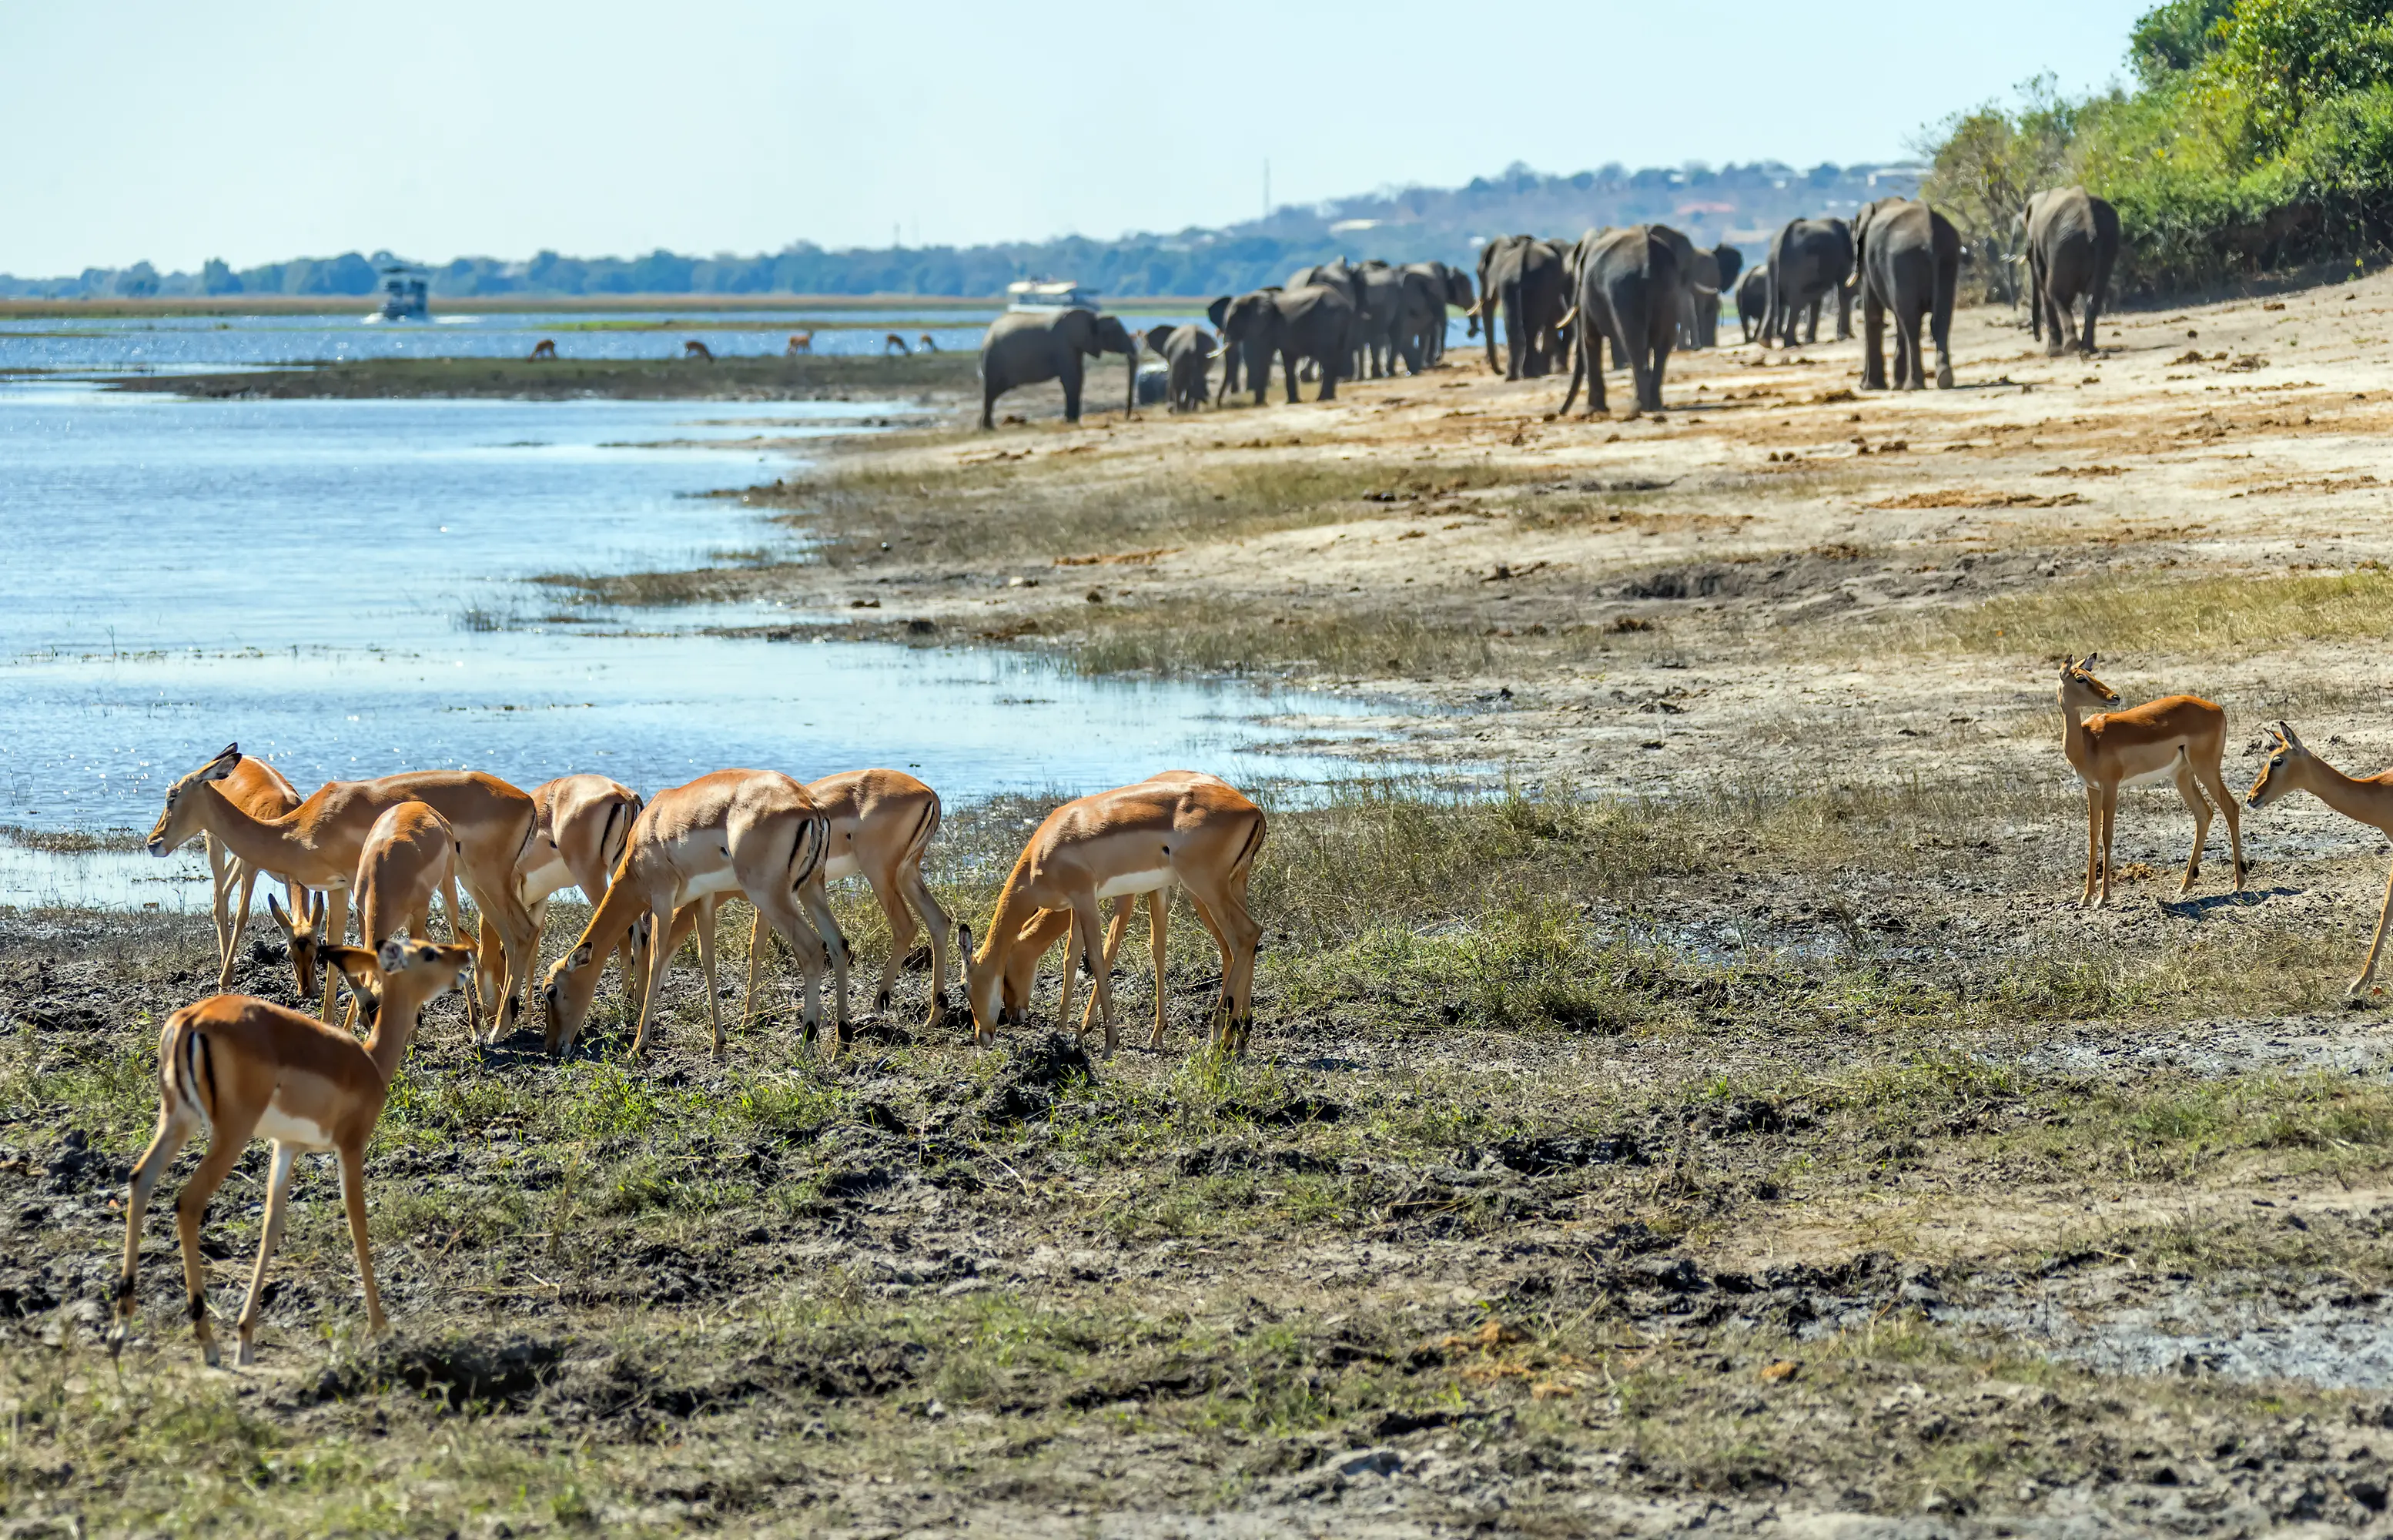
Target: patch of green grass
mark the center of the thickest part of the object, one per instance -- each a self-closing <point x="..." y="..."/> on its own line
<point x="2146" y="614"/>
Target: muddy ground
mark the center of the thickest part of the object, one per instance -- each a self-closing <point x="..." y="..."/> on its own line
<point x="1735" y="1125"/>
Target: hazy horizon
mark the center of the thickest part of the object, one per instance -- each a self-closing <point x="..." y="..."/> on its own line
<point x="286" y="131"/>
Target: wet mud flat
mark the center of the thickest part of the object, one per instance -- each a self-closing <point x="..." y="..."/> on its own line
<point x="1553" y="1216"/>
<point x="765" y="377"/>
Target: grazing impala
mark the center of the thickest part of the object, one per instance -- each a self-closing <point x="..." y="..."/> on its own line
<point x="580" y="825"/>
<point x="318" y="845"/>
<point x="735" y="833"/>
<point x="1182" y="827"/>
<point x="544" y="349"/>
<point x="893" y="343"/>
<point x="882" y="821"/>
<point x="260" y="791"/>
<point x="243" y="1069"/>
<point x="2178" y="739"/>
<point x="799" y="342"/>
<point x="694" y="348"/>
<point x="2362" y="799"/>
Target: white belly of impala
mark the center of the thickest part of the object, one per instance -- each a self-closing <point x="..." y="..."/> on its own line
<point x="546" y="879"/>
<point x="278" y="1125"/>
<point x="2161" y="776"/>
<point x="711" y="884"/>
<point x="1134" y="882"/>
<point x="841" y="866"/>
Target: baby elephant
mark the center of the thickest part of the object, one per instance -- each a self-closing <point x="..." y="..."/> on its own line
<point x="1189" y="352"/>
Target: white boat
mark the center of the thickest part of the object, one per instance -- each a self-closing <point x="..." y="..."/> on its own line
<point x="406" y="294"/>
<point x="1038" y="293"/>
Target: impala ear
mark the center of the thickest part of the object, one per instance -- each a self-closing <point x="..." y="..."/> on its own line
<point x="581" y="957"/>
<point x="963" y="938"/>
<point x="2088" y="663"/>
<point x="361" y="968"/>
<point x="396" y="954"/>
<point x="219" y="767"/>
<point x="274" y="907"/>
<point x="2285" y="731"/>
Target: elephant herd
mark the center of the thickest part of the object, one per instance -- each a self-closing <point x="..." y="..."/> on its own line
<point x="1645" y="290"/>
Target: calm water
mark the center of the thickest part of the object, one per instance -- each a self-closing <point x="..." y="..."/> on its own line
<point x="310" y="579"/>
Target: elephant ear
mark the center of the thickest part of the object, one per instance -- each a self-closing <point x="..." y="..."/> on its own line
<point x="1218" y="312"/>
<point x="1157" y="338"/>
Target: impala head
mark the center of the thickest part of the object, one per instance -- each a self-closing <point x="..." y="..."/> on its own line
<point x="179" y="820"/>
<point x="2081" y="690"/>
<point x="2287" y="759"/>
<point x="305" y="936"/>
<point x="396" y="982"/>
<point x="566" y="994"/>
<point x="983" y="987"/>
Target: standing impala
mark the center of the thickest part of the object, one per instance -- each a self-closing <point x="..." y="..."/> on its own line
<point x="260" y="791"/>
<point x="2362" y="799"/>
<point x="317" y="843"/>
<point x="735" y="833"/>
<point x="882" y="821"/>
<point x="1182" y="827"/>
<point x="410" y="856"/>
<point x="580" y="825"/>
<point x="241" y="1069"/>
<point x="2178" y="737"/>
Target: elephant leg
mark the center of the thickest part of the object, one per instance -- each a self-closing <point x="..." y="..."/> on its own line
<point x="1811" y="329"/>
<point x="1578" y="368"/>
<point x="1844" y="312"/>
<point x="1940" y="324"/>
<point x="1653" y="372"/>
<point x="989" y="390"/>
<point x="1873" y="342"/>
<point x="1906" y="349"/>
<point x="1287" y="367"/>
<point x="1329" y="379"/>
<point x="1070" y="375"/>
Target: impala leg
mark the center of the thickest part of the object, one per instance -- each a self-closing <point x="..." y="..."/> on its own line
<point x="2191" y="794"/>
<point x="1240" y="935"/>
<point x="1217" y="1021"/>
<point x="2110" y="824"/>
<point x="660" y="959"/>
<point x="1158" y="911"/>
<point x="277" y="1197"/>
<point x="353" y="1199"/>
<point x="834" y="945"/>
<point x="246" y="886"/>
<point x="2093" y="844"/>
<point x="173" y="1133"/>
<point x="2217" y="786"/>
<point x="1086" y="930"/>
<point x="489" y="965"/>
<point x="220" y="863"/>
<point x="1113" y="932"/>
<point x="224" y="1148"/>
<point x="918" y="893"/>
<point x="760" y="935"/>
<point x="902" y="927"/>
<point x="705" y="907"/>
<point x="1075" y="946"/>
<point x="337" y="930"/>
<point x="2368" y="969"/>
<point x="799" y="936"/>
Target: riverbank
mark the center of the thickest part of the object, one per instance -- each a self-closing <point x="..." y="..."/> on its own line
<point x="502" y="305"/>
<point x="1747" y="1157"/>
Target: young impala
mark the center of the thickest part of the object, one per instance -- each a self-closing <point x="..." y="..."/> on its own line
<point x="735" y="833"/>
<point x="260" y="791"/>
<point x="2178" y="737"/>
<point x="410" y="857"/>
<point x="882" y="821"/>
<point x="317" y="843"/>
<point x="2362" y="799"/>
<point x="1181" y="827"/>
<point x="239" y="1069"/>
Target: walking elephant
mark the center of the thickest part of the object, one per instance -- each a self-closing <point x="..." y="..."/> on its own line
<point x="2072" y="242"/>
<point x="1810" y="259"/>
<point x="1910" y="261"/>
<point x="1187" y="354"/>
<point x="1315" y="322"/>
<point x="1699" y="318"/>
<point x="1027" y="347"/>
<point x="1381" y="293"/>
<point x="1521" y="275"/>
<point x="1630" y="289"/>
<point x="1753" y="302"/>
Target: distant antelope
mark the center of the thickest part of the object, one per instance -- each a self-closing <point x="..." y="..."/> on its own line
<point x="927" y="345"/>
<point x="544" y="349"/>
<point x="799" y="342"/>
<point x="694" y="348"/>
<point x="893" y="343"/>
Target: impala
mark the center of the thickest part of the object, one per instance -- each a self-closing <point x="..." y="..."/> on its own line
<point x="260" y="791"/>
<point x="1181" y="827"/>
<point x="2367" y="800"/>
<point x="410" y="856"/>
<point x="799" y="342"/>
<point x="243" y="1069"/>
<point x="751" y="833"/>
<point x="318" y="845"/>
<point x="580" y="825"/>
<point x="2178" y="739"/>
<point x="882" y="821"/>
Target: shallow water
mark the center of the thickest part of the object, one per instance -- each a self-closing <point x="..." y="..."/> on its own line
<point x="314" y="580"/>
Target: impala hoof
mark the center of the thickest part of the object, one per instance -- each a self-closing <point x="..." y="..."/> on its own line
<point x="214" y="1358"/>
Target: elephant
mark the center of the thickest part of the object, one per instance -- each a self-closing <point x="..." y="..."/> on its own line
<point x="1910" y="261"/>
<point x="1025" y="348"/>
<point x="1753" y="301"/>
<point x="1731" y="262"/>
<point x="2072" y="242"/>
<point x="1381" y="294"/>
<point x="1522" y="277"/>
<point x="1810" y="259"/>
<point x="1630" y="289"/>
<point x="1315" y="321"/>
<point x="1459" y="295"/>
<point x="1187" y="351"/>
<point x="1699" y="322"/>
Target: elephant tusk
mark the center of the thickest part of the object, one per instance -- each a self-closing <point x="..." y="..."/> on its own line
<point x="1568" y="318"/>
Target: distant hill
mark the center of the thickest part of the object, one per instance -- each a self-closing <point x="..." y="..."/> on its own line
<point x="1740" y="203"/>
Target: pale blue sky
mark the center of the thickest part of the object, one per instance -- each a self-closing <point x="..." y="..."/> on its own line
<point x="176" y="132"/>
